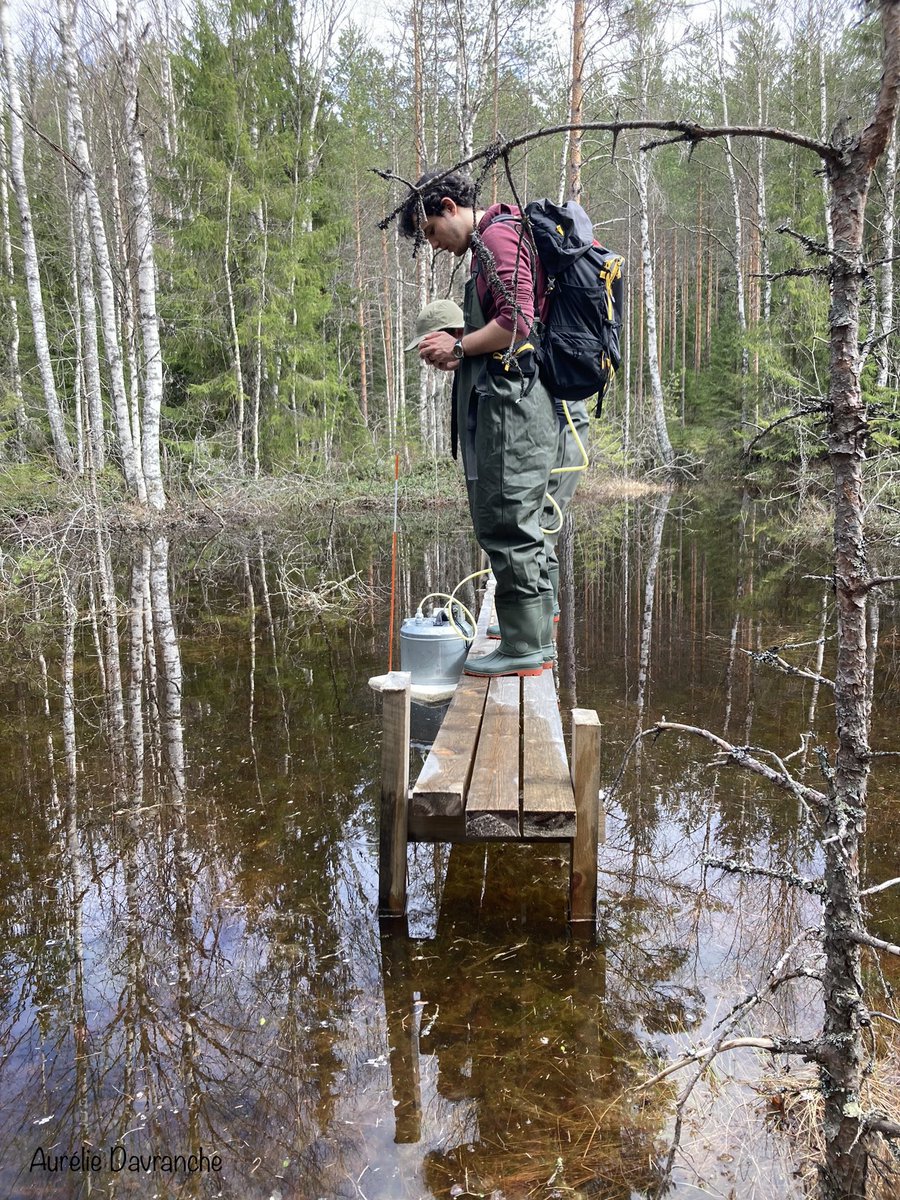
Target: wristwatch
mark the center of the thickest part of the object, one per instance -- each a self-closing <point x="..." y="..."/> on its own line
<point x="458" y="351"/>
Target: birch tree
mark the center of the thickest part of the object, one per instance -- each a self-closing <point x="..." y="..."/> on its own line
<point x="12" y="304"/>
<point x="142" y="221"/>
<point x="55" y="418"/>
<point x="738" y="253"/>
<point x="130" y="452"/>
<point x="886" y="269"/>
<point x="665" y="452"/>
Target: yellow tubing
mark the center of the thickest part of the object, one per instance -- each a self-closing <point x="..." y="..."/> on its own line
<point x="578" y="442"/>
<point x="453" y="600"/>
<point x="583" y="466"/>
<point x="474" y="575"/>
<point x="547" y="496"/>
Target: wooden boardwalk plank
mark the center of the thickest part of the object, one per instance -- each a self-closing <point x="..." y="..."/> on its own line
<point x="548" y="799"/>
<point x="492" y="806"/>
<point x="441" y="787"/>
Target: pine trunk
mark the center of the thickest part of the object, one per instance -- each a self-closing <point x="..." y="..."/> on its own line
<point x="844" y="1172"/>
<point x="576" y="101"/>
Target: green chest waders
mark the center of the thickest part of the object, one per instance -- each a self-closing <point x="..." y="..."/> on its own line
<point x="508" y="433"/>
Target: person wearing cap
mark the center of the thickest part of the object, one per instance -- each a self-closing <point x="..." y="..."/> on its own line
<point x="506" y="418"/>
<point x="441" y="316"/>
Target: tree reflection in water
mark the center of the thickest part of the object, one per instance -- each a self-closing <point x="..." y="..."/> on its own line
<point x="190" y="957"/>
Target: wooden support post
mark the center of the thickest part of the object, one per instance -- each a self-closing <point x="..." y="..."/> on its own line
<point x="402" y="1029"/>
<point x="586" y="783"/>
<point x="395" y="689"/>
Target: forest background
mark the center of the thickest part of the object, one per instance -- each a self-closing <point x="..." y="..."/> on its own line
<point x="195" y="286"/>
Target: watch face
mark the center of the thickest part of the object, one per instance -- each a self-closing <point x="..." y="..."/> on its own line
<point x="458" y="348"/>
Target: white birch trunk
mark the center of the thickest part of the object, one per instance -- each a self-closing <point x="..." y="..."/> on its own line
<point x="12" y="307"/>
<point x="762" y="214"/>
<point x="142" y="223"/>
<point x="886" y="272"/>
<point x="399" y="356"/>
<point x="140" y="573"/>
<point x="105" y="277"/>
<point x="89" y="342"/>
<point x="823" y="131"/>
<point x="61" y="447"/>
<point x="464" y="120"/>
<point x="262" y="221"/>
<point x="129" y="332"/>
<point x="738" y="223"/>
<point x="170" y="682"/>
<point x="232" y="321"/>
<point x="664" y="445"/>
<point x="78" y="374"/>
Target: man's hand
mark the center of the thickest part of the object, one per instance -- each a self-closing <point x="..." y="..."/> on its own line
<point x="437" y="350"/>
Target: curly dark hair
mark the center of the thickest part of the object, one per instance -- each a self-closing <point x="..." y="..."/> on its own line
<point x="431" y="189"/>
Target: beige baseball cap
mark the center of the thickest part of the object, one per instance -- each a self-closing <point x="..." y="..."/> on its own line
<point x="439" y="314"/>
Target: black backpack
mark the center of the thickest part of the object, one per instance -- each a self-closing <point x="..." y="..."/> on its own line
<point x="579" y="341"/>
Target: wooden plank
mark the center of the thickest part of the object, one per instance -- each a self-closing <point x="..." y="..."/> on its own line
<point x="586" y="781"/>
<point x="441" y="787"/>
<point x="395" y="689"/>
<point x="548" y="801"/>
<point x="492" y="805"/>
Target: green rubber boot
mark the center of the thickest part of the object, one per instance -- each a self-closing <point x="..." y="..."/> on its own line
<point x="520" y="651"/>
<point x="548" y="646"/>
<point x="493" y="631"/>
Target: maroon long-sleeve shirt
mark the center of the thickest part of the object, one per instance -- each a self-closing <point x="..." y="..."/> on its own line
<point x="509" y="247"/>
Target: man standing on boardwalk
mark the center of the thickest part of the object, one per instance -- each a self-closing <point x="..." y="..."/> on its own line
<point x="506" y="418"/>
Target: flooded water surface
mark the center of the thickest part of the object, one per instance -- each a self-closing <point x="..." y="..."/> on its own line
<point x="196" y="996"/>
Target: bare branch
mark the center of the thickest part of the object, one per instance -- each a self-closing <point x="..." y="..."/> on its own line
<point x="881" y="580"/>
<point x="814" y="886"/>
<point x="885" y="1016"/>
<point x="793" y="416"/>
<point x="790" y="273"/>
<point x="772" y="659"/>
<point x="810" y="245"/>
<point x="880" y="887"/>
<point x="772" y="1044"/>
<point x="866" y="939"/>
<point x="686" y="131"/>
<point x="38" y="133"/>
<point x="741" y="756"/>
